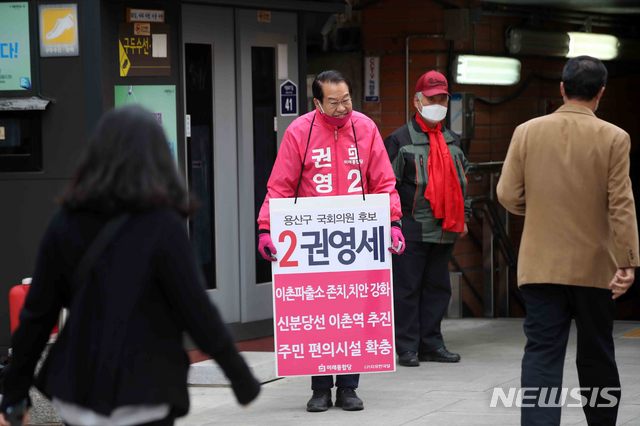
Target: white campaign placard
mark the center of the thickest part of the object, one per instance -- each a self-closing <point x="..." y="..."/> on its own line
<point x="332" y="286"/>
<point x="338" y="233"/>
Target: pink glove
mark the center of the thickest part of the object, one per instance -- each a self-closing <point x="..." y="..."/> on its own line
<point x="266" y="248"/>
<point x="397" y="240"/>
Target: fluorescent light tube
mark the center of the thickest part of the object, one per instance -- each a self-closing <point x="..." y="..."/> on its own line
<point x="486" y="70"/>
<point x="601" y="46"/>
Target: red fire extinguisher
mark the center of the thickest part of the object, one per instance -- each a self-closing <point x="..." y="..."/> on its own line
<point x="17" y="296"/>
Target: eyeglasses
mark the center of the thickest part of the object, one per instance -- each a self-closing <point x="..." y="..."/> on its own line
<point x="346" y="102"/>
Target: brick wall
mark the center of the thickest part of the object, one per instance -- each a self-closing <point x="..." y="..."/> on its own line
<point x="385" y="27"/>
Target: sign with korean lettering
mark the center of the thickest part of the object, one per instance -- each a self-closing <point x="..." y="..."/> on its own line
<point x="332" y="287"/>
<point x="143" y="50"/>
<point x="372" y="79"/>
<point x="264" y="16"/>
<point x="288" y="98"/>
<point x="15" y="49"/>
<point x="145" y="15"/>
<point x="59" y="30"/>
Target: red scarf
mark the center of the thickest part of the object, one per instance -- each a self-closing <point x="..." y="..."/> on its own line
<point x="443" y="187"/>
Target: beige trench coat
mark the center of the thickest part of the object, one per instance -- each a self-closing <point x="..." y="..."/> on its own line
<point x="568" y="174"/>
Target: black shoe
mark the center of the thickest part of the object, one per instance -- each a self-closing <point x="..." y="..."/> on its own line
<point x="439" y="355"/>
<point x="348" y="400"/>
<point x="409" y="359"/>
<point x="320" y="401"/>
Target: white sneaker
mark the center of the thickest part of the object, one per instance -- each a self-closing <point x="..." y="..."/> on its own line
<point x="62" y="25"/>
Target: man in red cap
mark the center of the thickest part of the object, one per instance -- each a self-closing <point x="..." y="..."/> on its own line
<point x="430" y="178"/>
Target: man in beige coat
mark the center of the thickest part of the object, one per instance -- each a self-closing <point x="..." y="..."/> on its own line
<point x="568" y="174"/>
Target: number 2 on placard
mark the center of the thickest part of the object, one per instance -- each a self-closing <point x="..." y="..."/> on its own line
<point x="285" y="262"/>
<point x="355" y="175"/>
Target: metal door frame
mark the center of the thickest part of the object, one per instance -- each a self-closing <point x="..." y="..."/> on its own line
<point x="256" y="298"/>
<point x="215" y="25"/>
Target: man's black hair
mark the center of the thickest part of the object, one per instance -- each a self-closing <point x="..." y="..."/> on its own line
<point x="330" y="76"/>
<point x="583" y="77"/>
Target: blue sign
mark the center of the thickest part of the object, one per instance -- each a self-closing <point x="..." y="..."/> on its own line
<point x="9" y="50"/>
<point x="15" y="55"/>
<point x="288" y="98"/>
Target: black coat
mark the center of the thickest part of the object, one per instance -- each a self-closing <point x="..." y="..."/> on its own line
<point x="122" y="343"/>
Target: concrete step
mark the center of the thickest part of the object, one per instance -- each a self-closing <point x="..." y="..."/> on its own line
<point x="208" y="373"/>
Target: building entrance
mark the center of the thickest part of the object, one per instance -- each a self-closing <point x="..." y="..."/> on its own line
<point x="235" y="61"/>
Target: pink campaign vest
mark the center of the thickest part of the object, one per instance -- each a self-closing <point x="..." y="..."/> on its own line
<point x="331" y="162"/>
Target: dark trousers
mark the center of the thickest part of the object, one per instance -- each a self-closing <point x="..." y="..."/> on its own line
<point x="342" y="381"/>
<point x="550" y="308"/>
<point x="421" y="293"/>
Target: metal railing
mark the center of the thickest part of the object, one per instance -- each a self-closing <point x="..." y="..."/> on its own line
<point x="499" y="257"/>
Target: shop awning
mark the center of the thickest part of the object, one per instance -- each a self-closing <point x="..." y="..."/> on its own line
<point x="33" y="103"/>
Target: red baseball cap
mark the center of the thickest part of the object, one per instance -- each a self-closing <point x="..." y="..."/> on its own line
<point x="432" y="83"/>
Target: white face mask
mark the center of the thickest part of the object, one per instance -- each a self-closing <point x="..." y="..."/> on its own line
<point x="434" y="113"/>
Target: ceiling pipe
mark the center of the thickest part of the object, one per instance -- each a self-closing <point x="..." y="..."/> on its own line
<point x="560" y="15"/>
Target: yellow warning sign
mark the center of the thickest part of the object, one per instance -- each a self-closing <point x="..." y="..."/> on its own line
<point x="125" y="63"/>
<point x="59" y="30"/>
<point x="144" y="49"/>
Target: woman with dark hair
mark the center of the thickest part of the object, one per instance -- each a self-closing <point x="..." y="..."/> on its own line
<point x="127" y="166"/>
<point x="117" y="256"/>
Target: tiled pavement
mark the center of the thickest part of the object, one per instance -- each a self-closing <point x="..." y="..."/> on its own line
<point x="432" y="394"/>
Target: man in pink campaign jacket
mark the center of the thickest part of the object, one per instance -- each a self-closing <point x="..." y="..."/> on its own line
<point x="332" y="150"/>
